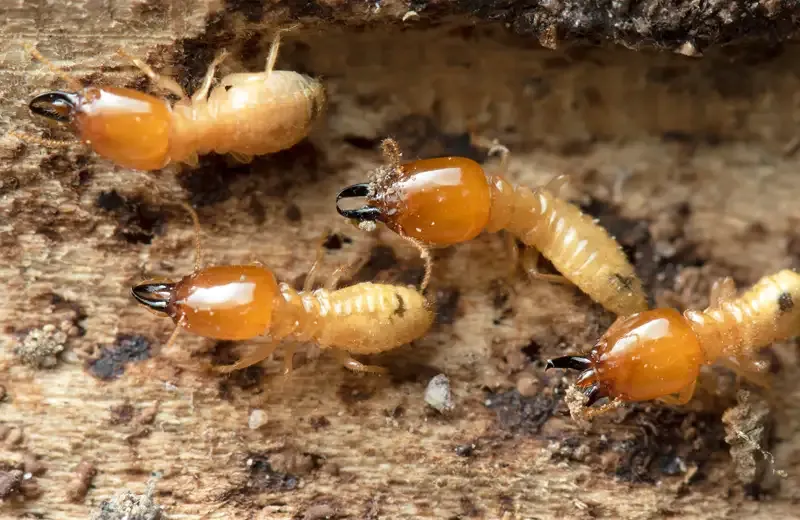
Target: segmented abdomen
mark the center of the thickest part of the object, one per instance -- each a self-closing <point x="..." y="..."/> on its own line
<point x="766" y="313"/>
<point x="249" y="114"/>
<point x="364" y="319"/>
<point x="579" y="248"/>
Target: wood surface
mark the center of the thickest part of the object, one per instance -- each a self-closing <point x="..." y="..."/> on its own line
<point x="690" y="161"/>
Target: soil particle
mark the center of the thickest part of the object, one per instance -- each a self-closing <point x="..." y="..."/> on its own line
<point x="112" y="360"/>
<point x="122" y="414"/>
<point x="262" y="476"/>
<point x="465" y="450"/>
<point x="9" y="482"/>
<point x="748" y="426"/>
<point x="438" y="395"/>
<point x="126" y="505"/>
<point x="523" y="415"/>
<point x="258" y="419"/>
<point x="668" y="442"/>
<point x="41" y="347"/>
<point x="319" y="421"/>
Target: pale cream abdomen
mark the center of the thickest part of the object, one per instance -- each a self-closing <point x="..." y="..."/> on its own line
<point x="768" y="312"/>
<point x="579" y="248"/>
<point x="251" y="114"/>
<point x="368" y="318"/>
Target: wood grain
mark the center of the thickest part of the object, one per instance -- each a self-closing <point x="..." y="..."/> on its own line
<point x="688" y="161"/>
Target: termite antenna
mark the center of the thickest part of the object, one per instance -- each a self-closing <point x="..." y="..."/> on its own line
<point x="493" y="148"/>
<point x="425" y="254"/>
<point x="73" y="83"/>
<point x="174" y="335"/>
<point x="55" y="143"/>
<point x="272" y="57"/>
<point x="198" y="253"/>
<point x="362" y="214"/>
<point x="391" y="153"/>
<point x="573" y="362"/>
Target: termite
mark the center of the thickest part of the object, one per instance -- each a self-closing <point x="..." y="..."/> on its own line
<point x="447" y="200"/>
<point x="247" y="114"/>
<point x="657" y="354"/>
<point x="240" y="302"/>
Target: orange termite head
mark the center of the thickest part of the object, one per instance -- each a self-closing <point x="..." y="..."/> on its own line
<point x="128" y="127"/>
<point x="441" y="201"/>
<point x="641" y="357"/>
<point x="222" y="302"/>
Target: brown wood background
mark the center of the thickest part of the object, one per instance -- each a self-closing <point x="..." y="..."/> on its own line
<point x="690" y="161"/>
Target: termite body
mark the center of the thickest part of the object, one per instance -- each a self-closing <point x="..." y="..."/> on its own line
<point x="239" y="302"/>
<point x="245" y="115"/>
<point x="657" y="354"/>
<point x="448" y="200"/>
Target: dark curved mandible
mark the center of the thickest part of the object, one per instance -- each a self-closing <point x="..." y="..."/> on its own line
<point x="594" y="393"/>
<point x="573" y="362"/>
<point x="43" y="104"/>
<point x="362" y="214"/>
<point x="156" y="296"/>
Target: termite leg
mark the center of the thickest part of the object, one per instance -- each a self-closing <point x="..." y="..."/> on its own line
<point x="683" y="397"/>
<point x="747" y="368"/>
<point x="721" y="290"/>
<point x="530" y="261"/>
<point x="357" y="366"/>
<point x="556" y="184"/>
<point x="272" y="57"/>
<point x="192" y="160"/>
<point x="242" y="157"/>
<point x="504" y="153"/>
<point x="288" y="358"/>
<point x="174" y="335"/>
<point x="512" y="249"/>
<point x="345" y="271"/>
<point x="202" y="93"/>
<point x="168" y="84"/>
<point x="258" y="354"/>
<point x="73" y="83"/>
<point x="312" y="273"/>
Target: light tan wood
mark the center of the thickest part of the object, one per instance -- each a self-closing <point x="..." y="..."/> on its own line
<point x="630" y="128"/>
